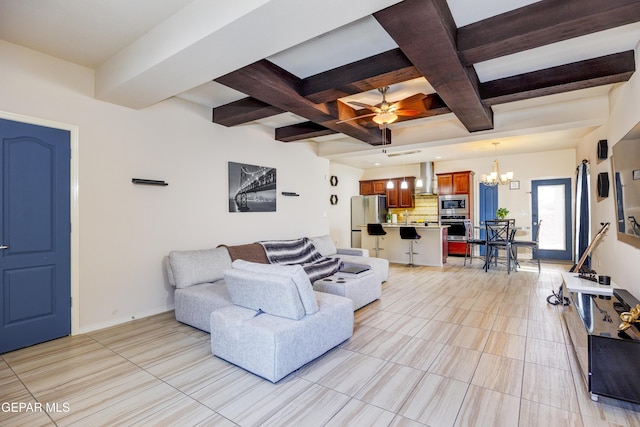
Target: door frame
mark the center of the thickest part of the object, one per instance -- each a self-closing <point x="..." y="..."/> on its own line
<point x="568" y="183"/>
<point x="73" y="208"/>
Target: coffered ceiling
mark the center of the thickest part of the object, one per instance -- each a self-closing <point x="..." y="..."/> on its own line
<point x="532" y="74"/>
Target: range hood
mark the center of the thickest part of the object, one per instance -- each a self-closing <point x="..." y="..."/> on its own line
<point x="427" y="178"/>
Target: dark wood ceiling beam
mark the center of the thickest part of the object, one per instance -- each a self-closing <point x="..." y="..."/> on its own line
<point x="426" y="33"/>
<point x="243" y="111"/>
<point x="539" y="24"/>
<point x="271" y="84"/>
<point x="301" y="131"/>
<point x="615" y="68"/>
<point x="377" y="71"/>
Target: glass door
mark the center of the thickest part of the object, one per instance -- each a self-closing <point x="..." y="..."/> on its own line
<point x="551" y="204"/>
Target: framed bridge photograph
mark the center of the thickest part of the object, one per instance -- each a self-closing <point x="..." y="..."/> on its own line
<point x="251" y="188"/>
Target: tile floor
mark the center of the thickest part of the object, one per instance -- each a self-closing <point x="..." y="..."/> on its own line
<point x="451" y="346"/>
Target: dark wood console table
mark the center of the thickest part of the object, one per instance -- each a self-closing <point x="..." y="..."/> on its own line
<point x="608" y="359"/>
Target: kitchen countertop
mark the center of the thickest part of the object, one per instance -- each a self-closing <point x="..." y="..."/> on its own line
<point x="429" y="250"/>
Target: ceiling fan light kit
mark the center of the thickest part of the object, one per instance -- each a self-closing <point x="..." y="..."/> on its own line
<point x="384" y="118"/>
<point x="385" y="113"/>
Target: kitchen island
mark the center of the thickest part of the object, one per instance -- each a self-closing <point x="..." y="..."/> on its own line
<point x="430" y="250"/>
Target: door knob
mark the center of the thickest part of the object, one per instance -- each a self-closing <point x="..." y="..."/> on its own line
<point x="4" y="247"/>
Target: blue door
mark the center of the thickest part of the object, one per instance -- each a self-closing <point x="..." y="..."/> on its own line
<point x="551" y="210"/>
<point x="488" y="196"/>
<point x="35" y="291"/>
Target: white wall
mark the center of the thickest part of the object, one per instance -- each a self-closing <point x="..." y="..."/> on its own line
<point x="124" y="230"/>
<point x="612" y="257"/>
<point x="340" y="214"/>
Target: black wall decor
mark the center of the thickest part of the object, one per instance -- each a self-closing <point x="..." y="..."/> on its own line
<point x="603" y="149"/>
<point x="148" y="181"/>
<point x="603" y="184"/>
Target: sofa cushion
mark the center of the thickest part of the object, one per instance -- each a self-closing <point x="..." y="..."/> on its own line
<point x="295" y="272"/>
<point x="268" y="293"/>
<point x="194" y="304"/>
<point x="324" y="245"/>
<point x="189" y="268"/>
<point x="253" y="252"/>
<point x="380" y="266"/>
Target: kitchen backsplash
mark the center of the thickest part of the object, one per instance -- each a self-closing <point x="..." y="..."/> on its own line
<point x="426" y="209"/>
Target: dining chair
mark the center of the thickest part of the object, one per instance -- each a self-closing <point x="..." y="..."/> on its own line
<point x="499" y="236"/>
<point x="470" y="241"/>
<point x="531" y="244"/>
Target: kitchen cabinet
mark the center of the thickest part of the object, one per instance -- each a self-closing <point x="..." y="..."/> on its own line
<point x="401" y="197"/>
<point x="371" y="187"/>
<point x="457" y="248"/>
<point x="455" y="182"/>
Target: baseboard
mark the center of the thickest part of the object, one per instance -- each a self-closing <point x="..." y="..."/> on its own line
<point x="121" y="320"/>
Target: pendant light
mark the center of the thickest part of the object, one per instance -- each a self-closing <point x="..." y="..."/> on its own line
<point x="404" y="184"/>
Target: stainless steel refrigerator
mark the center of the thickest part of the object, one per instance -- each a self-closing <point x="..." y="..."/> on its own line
<point x="366" y="210"/>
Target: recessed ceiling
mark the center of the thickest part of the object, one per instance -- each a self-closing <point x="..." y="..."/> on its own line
<point x="107" y="34"/>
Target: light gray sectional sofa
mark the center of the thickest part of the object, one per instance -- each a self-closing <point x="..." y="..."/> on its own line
<point x="266" y="318"/>
<point x="198" y="276"/>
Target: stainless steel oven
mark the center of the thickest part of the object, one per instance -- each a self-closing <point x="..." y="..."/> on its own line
<point x="453" y="204"/>
<point x="456" y="230"/>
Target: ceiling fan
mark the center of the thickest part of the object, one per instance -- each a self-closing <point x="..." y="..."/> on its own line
<point x="386" y="112"/>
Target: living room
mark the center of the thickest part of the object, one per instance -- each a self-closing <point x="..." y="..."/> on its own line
<point x="121" y="232"/>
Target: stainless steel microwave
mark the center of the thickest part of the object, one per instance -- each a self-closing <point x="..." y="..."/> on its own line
<point x="453" y="204"/>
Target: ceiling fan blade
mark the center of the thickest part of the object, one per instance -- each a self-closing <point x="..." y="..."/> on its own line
<point x="360" y="104"/>
<point x="410" y="100"/>
<point x="407" y="112"/>
<point x="356" y="118"/>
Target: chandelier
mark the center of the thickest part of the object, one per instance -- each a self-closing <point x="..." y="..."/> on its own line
<point x="495" y="177"/>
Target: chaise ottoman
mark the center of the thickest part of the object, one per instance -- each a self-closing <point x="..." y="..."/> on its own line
<point x="362" y="288"/>
<point x="277" y="323"/>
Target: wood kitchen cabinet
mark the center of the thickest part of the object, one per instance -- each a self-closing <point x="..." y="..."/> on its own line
<point x="401" y="198"/>
<point x="371" y="187"/>
<point x="455" y="182"/>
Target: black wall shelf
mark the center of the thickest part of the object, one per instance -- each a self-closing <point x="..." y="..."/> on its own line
<point x="148" y="181"/>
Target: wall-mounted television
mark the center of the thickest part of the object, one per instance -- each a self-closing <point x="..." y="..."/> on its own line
<point x="625" y="164"/>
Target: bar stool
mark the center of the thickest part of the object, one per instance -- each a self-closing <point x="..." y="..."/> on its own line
<point x="376" y="230"/>
<point x="409" y="233"/>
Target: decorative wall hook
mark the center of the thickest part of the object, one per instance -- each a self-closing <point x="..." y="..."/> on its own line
<point x="333" y="199"/>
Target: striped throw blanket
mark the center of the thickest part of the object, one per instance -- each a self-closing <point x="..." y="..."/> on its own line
<point x="301" y="251"/>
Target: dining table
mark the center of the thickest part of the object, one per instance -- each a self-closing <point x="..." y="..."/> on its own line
<point x="499" y="234"/>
